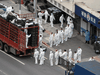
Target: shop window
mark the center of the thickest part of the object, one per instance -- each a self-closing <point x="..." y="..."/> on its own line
<point x="63" y="8"/>
<point x="59" y="5"/>
<point x="67" y="10"/>
<point x="55" y="2"/>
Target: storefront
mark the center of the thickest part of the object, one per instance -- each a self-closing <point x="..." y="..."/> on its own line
<point x="88" y="21"/>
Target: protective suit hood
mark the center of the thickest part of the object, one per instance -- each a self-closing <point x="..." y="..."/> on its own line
<point x="59" y="50"/>
<point x="45" y="10"/>
<point x="35" y="50"/>
<point x="50" y="52"/>
<point x="62" y="15"/>
<point x="69" y="50"/>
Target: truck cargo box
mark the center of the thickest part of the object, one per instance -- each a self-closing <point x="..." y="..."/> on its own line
<point x="87" y="68"/>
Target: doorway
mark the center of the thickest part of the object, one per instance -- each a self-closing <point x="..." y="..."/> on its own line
<point x="93" y="33"/>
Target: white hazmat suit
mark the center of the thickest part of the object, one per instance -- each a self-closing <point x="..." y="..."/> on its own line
<point x="91" y="59"/>
<point x="27" y="36"/>
<point x="61" y="36"/>
<point x="26" y="26"/>
<point x="46" y="15"/>
<point x="56" y="57"/>
<point x="8" y="10"/>
<point x="66" y="33"/>
<point x="64" y="55"/>
<point x="42" y="58"/>
<point x="68" y="19"/>
<point x="61" y="20"/>
<point x="40" y="27"/>
<point x="51" y="19"/>
<point x="70" y="56"/>
<point x="79" y="52"/>
<point x="36" y="54"/>
<point x="69" y="30"/>
<point x="51" y="58"/>
<point x="51" y="40"/>
<point x="40" y="14"/>
<point x="75" y="58"/>
<point x="56" y="39"/>
<point x="71" y="26"/>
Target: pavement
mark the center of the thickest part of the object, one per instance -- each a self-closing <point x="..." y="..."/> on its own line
<point x="73" y="43"/>
<point x="14" y="65"/>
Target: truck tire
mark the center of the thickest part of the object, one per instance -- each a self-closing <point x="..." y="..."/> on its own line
<point x="1" y="45"/>
<point x="6" y="48"/>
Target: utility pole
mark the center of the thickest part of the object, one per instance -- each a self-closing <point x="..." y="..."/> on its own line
<point x="35" y="9"/>
<point x="19" y="6"/>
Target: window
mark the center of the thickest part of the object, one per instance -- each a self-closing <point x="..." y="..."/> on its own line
<point x="59" y="5"/>
<point x="63" y="8"/>
<point x="55" y="2"/>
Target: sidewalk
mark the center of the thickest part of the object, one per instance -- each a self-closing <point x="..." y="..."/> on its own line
<point x="73" y="43"/>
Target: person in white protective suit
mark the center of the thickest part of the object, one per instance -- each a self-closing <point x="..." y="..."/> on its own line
<point x="42" y="57"/>
<point x="71" y="26"/>
<point x="51" y="19"/>
<point x="40" y="27"/>
<point x="68" y="19"/>
<point x="40" y="14"/>
<point x="66" y="33"/>
<point x="8" y="10"/>
<point x="70" y="56"/>
<point x="56" y="38"/>
<point x="51" y="39"/>
<point x="64" y="55"/>
<point x="61" y="20"/>
<point x="75" y="57"/>
<point x="61" y="35"/>
<point x="26" y="26"/>
<point x="51" y="58"/>
<point x="36" y="54"/>
<point x="56" y="57"/>
<point x="27" y="36"/>
<point x="70" y="32"/>
<point x="40" y="40"/>
<point x="91" y="59"/>
<point x="60" y="54"/>
<point x="79" y="52"/>
<point x="46" y="15"/>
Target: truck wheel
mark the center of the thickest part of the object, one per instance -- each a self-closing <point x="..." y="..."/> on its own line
<point x="1" y="45"/>
<point x="6" y="48"/>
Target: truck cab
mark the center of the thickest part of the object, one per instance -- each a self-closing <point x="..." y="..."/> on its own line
<point x="97" y="45"/>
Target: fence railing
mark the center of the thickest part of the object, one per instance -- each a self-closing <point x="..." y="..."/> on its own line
<point x="65" y="63"/>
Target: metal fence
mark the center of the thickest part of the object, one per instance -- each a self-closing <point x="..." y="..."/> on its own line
<point x="65" y="63"/>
